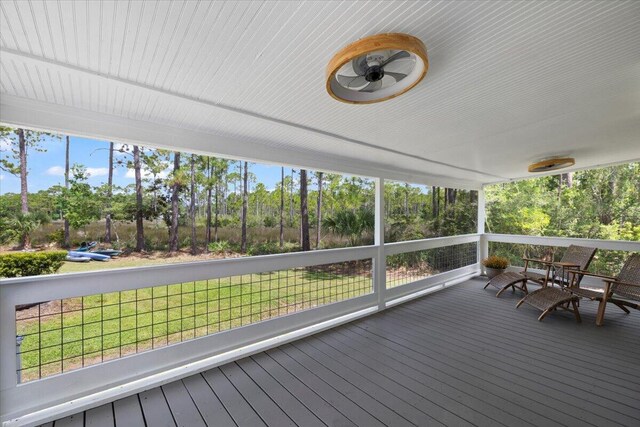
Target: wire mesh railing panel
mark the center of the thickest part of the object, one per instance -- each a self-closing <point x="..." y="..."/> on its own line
<point x="63" y="335"/>
<point x="409" y="267"/>
<point x="606" y="262"/>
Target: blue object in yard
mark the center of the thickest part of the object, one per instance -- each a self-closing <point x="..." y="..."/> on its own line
<point x="78" y="258"/>
<point x="107" y="252"/>
<point x="91" y="255"/>
<point x="84" y="246"/>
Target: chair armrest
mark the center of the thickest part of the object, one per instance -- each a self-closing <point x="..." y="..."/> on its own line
<point x="541" y="261"/>
<point x="588" y="273"/>
<point x="565" y="264"/>
<point x="618" y="282"/>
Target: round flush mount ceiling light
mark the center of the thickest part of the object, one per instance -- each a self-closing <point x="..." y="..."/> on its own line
<point x="552" y="164"/>
<point x="377" y="68"/>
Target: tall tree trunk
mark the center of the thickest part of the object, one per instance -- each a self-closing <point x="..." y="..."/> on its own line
<point x="406" y="199"/>
<point x="215" y="221"/>
<point x="139" y="209"/>
<point x="304" y="212"/>
<point x="107" y="226"/>
<point x="24" y="192"/>
<point x="175" y="205"/>
<point x="319" y="211"/>
<point x="446" y="199"/>
<point x="192" y="206"/>
<point x="208" y="227"/>
<point x="282" y="207"/>
<point x="245" y="180"/>
<point x="241" y="181"/>
<point x="435" y="202"/>
<point x="67" y="239"/>
<point x="291" y="214"/>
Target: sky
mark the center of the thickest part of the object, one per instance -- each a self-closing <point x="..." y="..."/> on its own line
<point x="47" y="168"/>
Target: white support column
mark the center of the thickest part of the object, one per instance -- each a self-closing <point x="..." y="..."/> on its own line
<point x="380" y="261"/>
<point x="483" y="244"/>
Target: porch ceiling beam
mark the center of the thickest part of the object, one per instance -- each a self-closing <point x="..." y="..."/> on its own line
<point x="29" y="59"/>
<point x="84" y="123"/>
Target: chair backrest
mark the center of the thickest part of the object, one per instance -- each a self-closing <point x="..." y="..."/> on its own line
<point x="579" y="255"/>
<point x="630" y="273"/>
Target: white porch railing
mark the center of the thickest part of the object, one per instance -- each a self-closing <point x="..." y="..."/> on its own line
<point x="335" y="286"/>
<point x="329" y="286"/>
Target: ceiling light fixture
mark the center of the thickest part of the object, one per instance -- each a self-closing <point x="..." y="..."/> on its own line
<point x="552" y="164"/>
<point x="377" y="68"/>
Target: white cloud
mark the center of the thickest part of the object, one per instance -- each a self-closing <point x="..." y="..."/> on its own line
<point x="5" y="144"/>
<point x="97" y="171"/>
<point x="121" y="150"/>
<point x="1" y="177"/>
<point x="55" y="171"/>
<point x="146" y="174"/>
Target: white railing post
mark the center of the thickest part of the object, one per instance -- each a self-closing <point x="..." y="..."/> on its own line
<point x="483" y="244"/>
<point x="380" y="261"/>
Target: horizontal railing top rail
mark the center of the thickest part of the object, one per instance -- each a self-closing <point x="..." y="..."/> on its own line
<point x="56" y="286"/>
<point x="422" y="244"/>
<point x="613" y="245"/>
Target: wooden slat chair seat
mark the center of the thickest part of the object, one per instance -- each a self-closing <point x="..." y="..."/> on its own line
<point x="622" y="290"/>
<point x="506" y="280"/>
<point x="549" y="298"/>
<point x="576" y="257"/>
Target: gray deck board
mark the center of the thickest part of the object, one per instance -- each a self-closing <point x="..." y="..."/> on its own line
<point x="545" y="366"/>
<point x="102" y="416"/>
<point x="128" y="412"/>
<point x="562" y="396"/>
<point x="210" y="407"/>
<point x="270" y="413"/>
<point x="241" y="412"/>
<point x="76" y="420"/>
<point x="328" y="414"/>
<point x="156" y="409"/>
<point x="182" y="407"/>
<point x="299" y="413"/>
<point x="457" y="357"/>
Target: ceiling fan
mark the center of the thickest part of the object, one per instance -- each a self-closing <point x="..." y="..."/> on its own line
<point x="377" y="68"/>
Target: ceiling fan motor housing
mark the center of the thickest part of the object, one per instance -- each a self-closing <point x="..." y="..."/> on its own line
<point x="376" y="68"/>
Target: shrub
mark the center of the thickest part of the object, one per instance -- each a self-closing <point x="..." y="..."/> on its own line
<point x="220" y="247"/>
<point x="495" y="262"/>
<point x="56" y="236"/>
<point x="269" y="248"/>
<point x="269" y="221"/>
<point x="19" y="264"/>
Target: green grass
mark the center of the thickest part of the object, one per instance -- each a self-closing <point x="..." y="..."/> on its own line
<point x="120" y="262"/>
<point x="75" y="332"/>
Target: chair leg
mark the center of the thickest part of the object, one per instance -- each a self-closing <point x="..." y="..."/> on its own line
<point x="622" y="307"/>
<point x="485" y="286"/>
<point x="544" y="313"/>
<point x="601" y="309"/>
<point x="575" y="311"/>
<point x="503" y="289"/>
<point x="520" y="302"/>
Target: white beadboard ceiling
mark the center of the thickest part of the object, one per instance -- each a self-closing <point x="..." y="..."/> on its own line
<point x="509" y="83"/>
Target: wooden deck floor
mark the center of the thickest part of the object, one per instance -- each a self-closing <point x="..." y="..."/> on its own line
<point x="457" y="357"/>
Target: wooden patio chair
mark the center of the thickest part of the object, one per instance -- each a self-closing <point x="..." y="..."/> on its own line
<point x="621" y="290"/>
<point x="550" y="298"/>
<point x="575" y="258"/>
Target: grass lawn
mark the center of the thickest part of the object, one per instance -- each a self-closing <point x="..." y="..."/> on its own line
<point x="67" y="334"/>
<point x="131" y="261"/>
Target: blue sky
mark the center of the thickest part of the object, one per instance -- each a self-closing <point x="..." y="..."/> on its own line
<point x="47" y="168"/>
